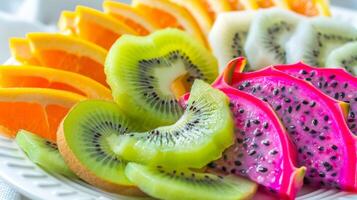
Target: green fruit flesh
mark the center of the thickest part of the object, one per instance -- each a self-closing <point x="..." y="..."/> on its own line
<point x="314" y="40"/>
<point x="228" y="35"/>
<point x="141" y="70"/>
<point x="88" y="128"/>
<point x="198" y="137"/>
<point x="171" y="184"/>
<point x="345" y="56"/>
<point x="43" y="153"/>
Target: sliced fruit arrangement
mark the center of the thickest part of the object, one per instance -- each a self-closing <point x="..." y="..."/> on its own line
<point x="262" y="151"/>
<point x="277" y="127"/>
<point x="147" y="74"/>
<point x="83" y="141"/>
<point x="94" y="26"/>
<point x="37" y="110"/>
<point x="141" y="18"/>
<point x="276" y="36"/>
<point x="168" y="183"/>
<point x="43" y="152"/>
<point x="61" y="52"/>
<point x="201" y="134"/>
<point x="315" y="122"/>
<point x="130" y="16"/>
<point x="42" y="77"/>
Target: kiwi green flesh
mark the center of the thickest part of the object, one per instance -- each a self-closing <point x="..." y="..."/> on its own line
<point x="87" y="129"/>
<point x="198" y="137"/>
<point x="344" y="56"/>
<point x="43" y="152"/>
<point x="140" y="71"/>
<point x="172" y="184"/>
<point x="324" y="43"/>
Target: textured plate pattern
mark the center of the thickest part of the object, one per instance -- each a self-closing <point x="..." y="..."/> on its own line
<point x="35" y="183"/>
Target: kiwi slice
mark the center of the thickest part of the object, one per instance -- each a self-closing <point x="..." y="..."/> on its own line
<point x="344" y="56"/>
<point x="83" y="142"/>
<point x="198" y="137"/>
<point x="43" y="152"/>
<point x="316" y="38"/>
<point x="148" y="74"/>
<point x="173" y="184"/>
<point x="270" y="30"/>
<point x="228" y="35"/>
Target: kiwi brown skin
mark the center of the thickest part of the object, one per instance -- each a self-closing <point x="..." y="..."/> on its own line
<point x="81" y="171"/>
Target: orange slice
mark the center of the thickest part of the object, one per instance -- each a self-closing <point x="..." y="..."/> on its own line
<point x="129" y="16"/>
<point x="37" y="110"/>
<point x="271" y="3"/>
<point x="168" y="14"/>
<point x="67" y="23"/>
<point x="42" y="77"/>
<point x="61" y="52"/>
<point x="243" y="4"/>
<point x="200" y="12"/>
<point x="94" y="26"/>
<point x="310" y="7"/>
<point x="217" y="6"/>
<point x="21" y="51"/>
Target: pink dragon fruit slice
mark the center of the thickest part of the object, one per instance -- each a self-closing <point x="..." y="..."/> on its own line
<point x="334" y="82"/>
<point x="262" y="151"/>
<point x="315" y="122"/>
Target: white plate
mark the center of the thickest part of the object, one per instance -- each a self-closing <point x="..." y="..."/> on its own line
<point x="35" y="183"/>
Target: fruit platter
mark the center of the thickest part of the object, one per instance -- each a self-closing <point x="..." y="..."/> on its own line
<point x="181" y="100"/>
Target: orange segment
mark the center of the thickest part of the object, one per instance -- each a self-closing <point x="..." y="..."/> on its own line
<point x="243" y="4"/>
<point x="271" y="3"/>
<point x="42" y="77"/>
<point x="168" y="14"/>
<point x="265" y="3"/>
<point x="310" y="7"/>
<point x="218" y="6"/>
<point x="209" y="9"/>
<point x="199" y="12"/>
<point x="94" y="26"/>
<point x="67" y="23"/>
<point x="37" y="110"/>
<point x="21" y="51"/>
<point x="129" y="16"/>
<point x="66" y="53"/>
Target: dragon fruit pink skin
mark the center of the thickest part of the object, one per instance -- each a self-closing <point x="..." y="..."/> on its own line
<point x="262" y="150"/>
<point x="315" y="122"/>
<point x="334" y="82"/>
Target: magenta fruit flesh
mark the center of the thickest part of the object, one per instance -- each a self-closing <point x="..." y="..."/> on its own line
<point x="315" y="122"/>
<point x="262" y="151"/>
<point x="336" y="83"/>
